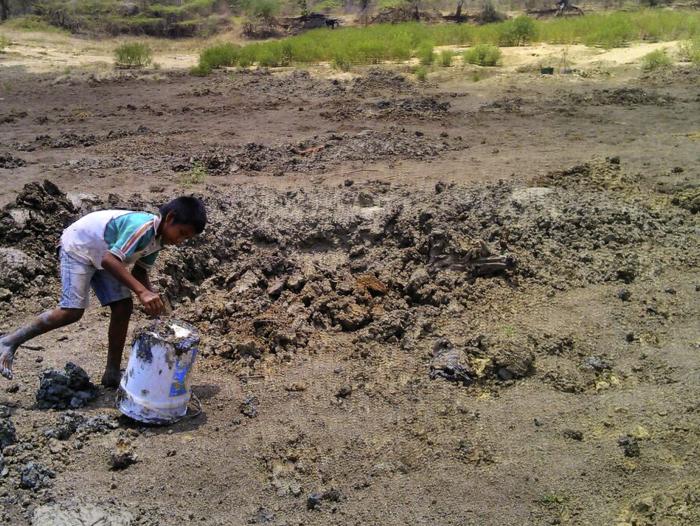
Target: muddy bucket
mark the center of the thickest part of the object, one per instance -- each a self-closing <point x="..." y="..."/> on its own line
<point x="155" y="388"/>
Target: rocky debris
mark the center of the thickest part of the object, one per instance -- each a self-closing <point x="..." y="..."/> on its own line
<point x="624" y="97"/>
<point x="8" y="434"/>
<point x="596" y="363"/>
<point x="315" y="500"/>
<point x="70" y="388"/>
<point x="678" y="505"/>
<point x="573" y="434"/>
<point x="344" y="392"/>
<point x="71" y="423"/>
<point x="249" y="407"/>
<point x="73" y="140"/>
<point x="81" y="515"/>
<point x="629" y="445"/>
<point x="29" y="232"/>
<point x="123" y="454"/>
<point x="420" y="108"/>
<point x="450" y="363"/>
<point x="34" y="476"/>
<point x="316" y="153"/>
<point x="380" y="80"/>
<point x="3" y="468"/>
<point x="262" y="516"/>
<point x="9" y="161"/>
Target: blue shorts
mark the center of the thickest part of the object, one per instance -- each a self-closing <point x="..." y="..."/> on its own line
<point x="77" y="278"/>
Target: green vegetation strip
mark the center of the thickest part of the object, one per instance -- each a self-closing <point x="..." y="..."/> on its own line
<point x="390" y="42"/>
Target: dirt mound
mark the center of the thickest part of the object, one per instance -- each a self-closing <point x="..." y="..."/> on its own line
<point x="317" y="153"/>
<point x="413" y="108"/>
<point x="622" y="97"/>
<point x="9" y="161"/>
<point x="377" y="81"/>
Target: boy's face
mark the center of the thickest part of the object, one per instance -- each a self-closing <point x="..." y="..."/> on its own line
<point x="175" y="234"/>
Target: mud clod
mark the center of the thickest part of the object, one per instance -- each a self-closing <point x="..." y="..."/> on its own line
<point x="8" y="435"/>
<point x="66" y="389"/>
<point x="34" y="476"/>
<point x="123" y="454"/>
<point x="629" y="445"/>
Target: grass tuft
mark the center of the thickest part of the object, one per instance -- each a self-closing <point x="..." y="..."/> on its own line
<point x="425" y="54"/>
<point x="445" y="58"/>
<point x="656" y="60"/>
<point x="483" y="55"/>
<point x="133" y="55"/>
<point x="421" y="73"/>
<point x="689" y="51"/>
<point x="4" y="42"/>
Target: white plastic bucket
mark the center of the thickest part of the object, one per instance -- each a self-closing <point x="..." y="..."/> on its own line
<point x="155" y="388"/>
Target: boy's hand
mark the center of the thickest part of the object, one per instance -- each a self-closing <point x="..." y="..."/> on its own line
<point x="151" y="302"/>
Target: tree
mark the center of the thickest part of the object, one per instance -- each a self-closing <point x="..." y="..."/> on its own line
<point x="4" y="9"/>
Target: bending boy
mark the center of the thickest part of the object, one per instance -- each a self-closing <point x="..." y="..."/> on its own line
<point x="96" y="252"/>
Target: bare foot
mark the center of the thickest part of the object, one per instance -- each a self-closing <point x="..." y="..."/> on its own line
<point x="111" y="378"/>
<point x="7" y="354"/>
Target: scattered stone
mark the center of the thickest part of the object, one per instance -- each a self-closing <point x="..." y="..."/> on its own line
<point x="629" y="337"/>
<point x="71" y="423"/>
<point x="314" y="500"/>
<point x="344" y="391"/>
<point x="12" y="388"/>
<point x="249" y="407"/>
<point x="34" y="476"/>
<point x="71" y="388"/>
<point x="262" y="516"/>
<point x="8" y="434"/>
<point x="8" y="161"/>
<point x="596" y="363"/>
<point x="573" y="434"/>
<point x="123" y="455"/>
<point x="450" y="363"/>
<point x="5" y="294"/>
<point x="629" y="445"/>
<point x="296" y="387"/>
<point x="624" y="294"/>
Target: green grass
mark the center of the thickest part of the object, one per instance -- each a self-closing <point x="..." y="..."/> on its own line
<point x="656" y="60"/>
<point x="132" y="55"/>
<point x="196" y="175"/>
<point x="689" y="51"/>
<point x="399" y="42"/>
<point x="4" y="42"/>
<point x="425" y="54"/>
<point x="483" y="55"/>
<point x="31" y="23"/>
<point x="421" y="73"/>
<point x="445" y="58"/>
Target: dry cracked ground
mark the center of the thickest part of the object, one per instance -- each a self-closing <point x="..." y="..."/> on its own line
<point x="452" y="303"/>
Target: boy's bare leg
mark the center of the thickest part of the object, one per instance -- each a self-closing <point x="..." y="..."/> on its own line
<point x="48" y="321"/>
<point x="118" y="327"/>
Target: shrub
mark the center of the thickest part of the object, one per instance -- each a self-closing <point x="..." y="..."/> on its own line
<point x="489" y="14"/>
<point x="31" y="23"/>
<point x="341" y="62"/>
<point x="196" y="175"/>
<point x="262" y="9"/>
<point x="425" y="54"/>
<point x="133" y="55"/>
<point x="421" y="73"/>
<point x="517" y="32"/>
<point x="218" y="55"/>
<point x="446" y="58"/>
<point x="689" y="51"/>
<point x="655" y="60"/>
<point x="483" y="55"/>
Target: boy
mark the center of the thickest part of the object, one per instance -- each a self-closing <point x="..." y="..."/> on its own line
<point x="95" y="252"/>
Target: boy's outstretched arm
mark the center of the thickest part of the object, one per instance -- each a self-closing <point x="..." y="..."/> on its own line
<point x="152" y="303"/>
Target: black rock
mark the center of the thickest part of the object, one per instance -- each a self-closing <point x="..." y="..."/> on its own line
<point x="629" y="445"/>
<point x="573" y="434"/>
<point x="35" y="476"/>
<point x="344" y="391"/>
<point x="8" y="435"/>
<point x="624" y="294"/>
<point x="314" y="500"/>
<point x="262" y="516"/>
<point x="71" y="388"/>
<point x="249" y="407"/>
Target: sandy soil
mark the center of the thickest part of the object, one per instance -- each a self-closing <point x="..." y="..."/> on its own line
<point x="350" y="214"/>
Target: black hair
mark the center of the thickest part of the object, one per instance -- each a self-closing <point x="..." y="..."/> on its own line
<point x="186" y="211"/>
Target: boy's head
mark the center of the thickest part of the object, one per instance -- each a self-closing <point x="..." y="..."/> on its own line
<point x="181" y="219"/>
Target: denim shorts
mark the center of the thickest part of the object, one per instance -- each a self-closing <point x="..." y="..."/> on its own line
<point x="77" y="278"/>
